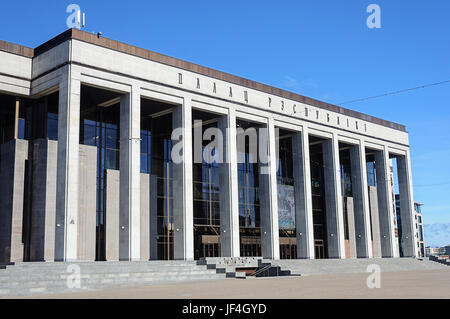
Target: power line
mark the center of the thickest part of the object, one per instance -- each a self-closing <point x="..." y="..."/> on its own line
<point x="394" y="92"/>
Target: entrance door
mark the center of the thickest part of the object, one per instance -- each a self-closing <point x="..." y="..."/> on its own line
<point x="250" y="246"/>
<point x="165" y="215"/>
<point x="206" y="207"/>
<point x="319" y="249"/>
<point x="288" y="250"/>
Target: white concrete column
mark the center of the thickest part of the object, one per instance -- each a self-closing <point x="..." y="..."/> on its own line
<point x="374" y="215"/>
<point x="361" y="201"/>
<point x="145" y="216"/>
<point x="351" y="226"/>
<point x="303" y="195"/>
<point x="68" y="165"/>
<point x="153" y="218"/>
<point x="183" y="211"/>
<point x="130" y="184"/>
<point x="385" y="205"/>
<point x="112" y="199"/>
<point x="13" y="155"/>
<point x="273" y="162"/>
<point x="407" y="214"/>
<point x="333" y="199"/>
<point x="268" y="191"/>
<point x="87" y="212"/>
<point x="229" y="196"/>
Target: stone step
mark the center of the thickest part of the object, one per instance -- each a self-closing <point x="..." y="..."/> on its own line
<point x="94" y="281"/>
<point x="98" y="269"/>
<point x="45" y="265"/>
<point x="113" y="268"/>
<point x="330" y="266"/>
<point x="62" y="287"/>
<point x="236" y="267"/>
<point x="31" y="277"/>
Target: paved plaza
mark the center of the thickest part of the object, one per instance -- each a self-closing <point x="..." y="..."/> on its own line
<point x="402" y="284"/>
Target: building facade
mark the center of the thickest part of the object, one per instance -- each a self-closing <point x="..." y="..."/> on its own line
<point x="419" y="232"/>
<point x="89" y="129"/>
<point x="437" y="251"/>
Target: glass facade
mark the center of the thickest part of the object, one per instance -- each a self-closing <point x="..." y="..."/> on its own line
<point x="206" y="203"/>
<point x="371" y="181"/>
<point x="371" y="173"/>
<point x="346" y="187"/>
<point x="99" y="127"/>
<point x="249" y="204"/>
<point x="156" y="148"/>
<point x="35" y="119"/>
<point x="318" y="201"/>
<point x="286" y="199"/>
<point x="346" y="173"/>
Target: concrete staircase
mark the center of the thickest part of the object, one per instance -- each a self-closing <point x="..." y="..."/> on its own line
<point x="360" y="265"/>
<point x="48" y="278"/>
<point x="244" y="267"/>
<point x="445" y="260"/>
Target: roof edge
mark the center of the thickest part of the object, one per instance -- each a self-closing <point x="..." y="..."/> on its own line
<point x="191" y="67"/>
<point x="16" y="49"/>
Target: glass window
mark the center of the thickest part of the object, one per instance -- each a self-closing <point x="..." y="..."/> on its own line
<point x="90" y="135"/>
<point x="21" y="130"/>
<point x="371" y="174"/>
<point x="144" y="163"/>
<point x="111" y="138"/>
<point x="111" y="159"/>
<point x="52" y="126"/>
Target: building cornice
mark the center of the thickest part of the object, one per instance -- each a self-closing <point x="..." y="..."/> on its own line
<point x="188" y="66"/>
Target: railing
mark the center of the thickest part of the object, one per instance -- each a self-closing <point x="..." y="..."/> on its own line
<point x="262" y="270"/>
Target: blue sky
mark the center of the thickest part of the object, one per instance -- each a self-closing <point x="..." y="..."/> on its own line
<point x="322" y="49"/>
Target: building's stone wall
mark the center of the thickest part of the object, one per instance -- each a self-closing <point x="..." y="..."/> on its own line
<point x="87" y="213"/>
<point x="374" y="216"/>
<point x="12" y="174"/>
<point x="43" y="200"/>
<point x="148" y="231"/>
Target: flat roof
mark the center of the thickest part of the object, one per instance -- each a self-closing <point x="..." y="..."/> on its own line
<point x="188" y="66"/>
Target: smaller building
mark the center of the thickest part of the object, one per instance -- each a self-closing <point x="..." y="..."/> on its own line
<point x="447" y="250"/>
<point x="436" y="251"/>
<point x="419" y="230"/>
<point x="418" y="227"/>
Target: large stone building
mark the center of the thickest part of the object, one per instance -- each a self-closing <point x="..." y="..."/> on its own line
<point x="87" y="135"/>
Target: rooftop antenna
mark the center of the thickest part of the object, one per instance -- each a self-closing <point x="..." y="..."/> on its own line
<point x="78" y="19"/>
<point x="81" y="20"/>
